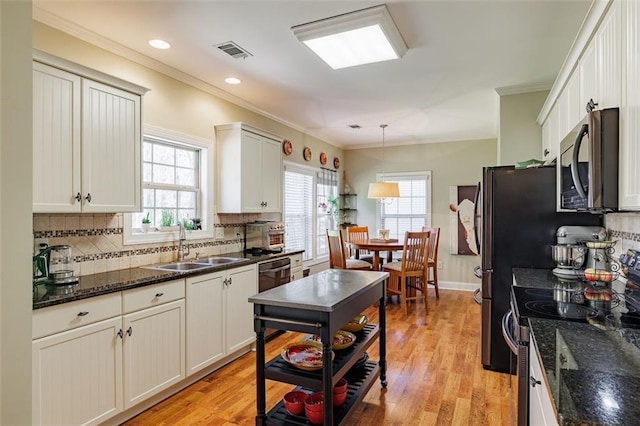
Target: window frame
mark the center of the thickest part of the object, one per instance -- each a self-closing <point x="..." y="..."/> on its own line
<point x="396" y="176"/>
<point x="207" y="184"/>
<point x="314" y="258"/>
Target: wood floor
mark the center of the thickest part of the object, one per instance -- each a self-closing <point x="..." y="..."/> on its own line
<point x="434" y="374"/>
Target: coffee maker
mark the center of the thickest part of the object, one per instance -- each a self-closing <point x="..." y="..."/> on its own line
<point x="570" y="253"/>
<point x="54" y="265"/>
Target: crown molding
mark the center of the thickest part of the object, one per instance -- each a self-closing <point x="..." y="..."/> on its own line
<point x="521" y="89"/>
<point x="95" y="39"/>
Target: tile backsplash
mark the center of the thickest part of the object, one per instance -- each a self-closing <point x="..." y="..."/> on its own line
<point x="625" y="229"/>
<point x="96" y="240"/>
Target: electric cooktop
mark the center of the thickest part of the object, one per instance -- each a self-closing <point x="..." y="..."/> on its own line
<point x="620" y="310"/>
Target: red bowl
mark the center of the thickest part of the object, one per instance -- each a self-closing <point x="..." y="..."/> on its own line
<point x="315" y="417"/>
<point x="314" y="403"/>
<point x="294" y="402"/>
<point x="339" y="399"/>
<point x="340" y="387"/>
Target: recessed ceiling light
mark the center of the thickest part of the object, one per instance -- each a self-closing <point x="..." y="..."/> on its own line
<point x="159" y="44"/>
<point x="232" y="80"/>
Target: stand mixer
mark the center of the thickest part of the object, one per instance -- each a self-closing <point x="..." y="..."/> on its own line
<point x="570" y="253"/>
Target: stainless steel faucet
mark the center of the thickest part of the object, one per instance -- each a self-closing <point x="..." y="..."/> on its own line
<point x="183" y="250"/>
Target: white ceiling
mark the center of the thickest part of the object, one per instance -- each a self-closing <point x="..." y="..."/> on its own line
<point x="443" y="89"/>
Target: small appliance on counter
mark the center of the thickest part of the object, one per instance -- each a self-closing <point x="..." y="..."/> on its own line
<point x="570" y="252"/>
<point x="263" y="237"/>
<point x="54" y="265"/>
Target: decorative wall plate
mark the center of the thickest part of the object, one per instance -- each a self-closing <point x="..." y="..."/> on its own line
<point x="336" y="163"/>
<point x="306" y="153"/>
<point x="323" y="158"/>
<point x="287" y="147"/>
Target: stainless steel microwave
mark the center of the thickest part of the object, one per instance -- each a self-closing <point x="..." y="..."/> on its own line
<point x="588" y="164"/>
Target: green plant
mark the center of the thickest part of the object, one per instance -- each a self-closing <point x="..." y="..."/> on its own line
<point x="167" y="217"/>
<point x="333" y="202"/>
<point x="146" y="219"/>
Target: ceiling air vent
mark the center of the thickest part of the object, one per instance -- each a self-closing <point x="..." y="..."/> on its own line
<point x="232" y="49"/>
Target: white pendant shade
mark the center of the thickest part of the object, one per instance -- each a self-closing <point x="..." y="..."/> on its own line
<point x="383" y="190"/>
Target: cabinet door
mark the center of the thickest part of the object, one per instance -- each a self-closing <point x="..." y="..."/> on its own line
<point x="154" y="346"/>
<point x="111" y="143"/>
<point x="541" y="411"/>
<point x="588" y="81"/>
<point x="608" y="61"/>
<point x="296" y="273"/>
<point x="56" y="140"/>
<point x="77" y="375"/>
<point x="205" y="320"/>
<point x="243" y="283"/>
<point x="271" y="175"/>
<point x="629" y="198"/>
<point x="574" y="107"/>
<point x="252" y="176"/>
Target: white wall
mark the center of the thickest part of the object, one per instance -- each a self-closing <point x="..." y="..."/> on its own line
<point x="15" y="212"/>
<point x="520" y="137"/>
<point x="451" y="163"/>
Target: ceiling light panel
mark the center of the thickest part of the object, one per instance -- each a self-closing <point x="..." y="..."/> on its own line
<point x="355" y="38"/>
<point x="159" y="44"/>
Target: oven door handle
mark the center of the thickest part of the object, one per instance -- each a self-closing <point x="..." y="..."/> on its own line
<point x="506" y="319"/>
<point x="284" y="268"/>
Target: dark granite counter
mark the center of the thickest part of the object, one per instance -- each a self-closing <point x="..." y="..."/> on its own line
<point x="125" y="279"/>
<point x="592" y="368"/>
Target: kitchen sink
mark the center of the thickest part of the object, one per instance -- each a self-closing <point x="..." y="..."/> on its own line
<point x="194" y="265"/>
<point x="218" y="260"/>
<point x="178" y="266"/>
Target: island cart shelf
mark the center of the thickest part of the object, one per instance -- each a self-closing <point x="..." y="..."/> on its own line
<point x="321" y="304"/>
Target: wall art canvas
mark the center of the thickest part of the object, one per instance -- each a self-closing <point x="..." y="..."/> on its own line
<point x="462" y="220"/>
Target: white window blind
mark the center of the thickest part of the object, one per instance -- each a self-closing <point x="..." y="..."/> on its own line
<point x="298" y="210"/>
<point x="412" y="210"/>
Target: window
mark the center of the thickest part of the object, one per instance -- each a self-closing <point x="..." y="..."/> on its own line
<point x="174" y="184"/>
<point x="412" y="210"/>
<point x="309" y="209"/>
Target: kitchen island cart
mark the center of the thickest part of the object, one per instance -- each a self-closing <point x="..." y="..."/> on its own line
<point x="321" y="304"/>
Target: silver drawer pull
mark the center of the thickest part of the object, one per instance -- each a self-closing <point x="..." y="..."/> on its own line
<point x="83" y="313"/>
<point x="159" y="294"/>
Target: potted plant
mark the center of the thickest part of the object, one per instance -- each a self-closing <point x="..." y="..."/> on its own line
<point x="146" y="223"/>
<point x="167" y="220"/>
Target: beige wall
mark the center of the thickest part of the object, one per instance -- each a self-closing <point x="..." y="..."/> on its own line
<point x="15" y="212"/>
<point x="520" y="137"/>
<point x="169" y="104"/>
<point x="451" y="163"/>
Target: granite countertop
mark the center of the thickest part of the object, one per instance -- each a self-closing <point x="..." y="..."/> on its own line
<point x="592" y="369"/>
<point x="323" y="291"/>
<point x="125" y="279"/>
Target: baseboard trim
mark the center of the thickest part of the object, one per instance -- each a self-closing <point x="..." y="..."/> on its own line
<point x="454" y="285"/>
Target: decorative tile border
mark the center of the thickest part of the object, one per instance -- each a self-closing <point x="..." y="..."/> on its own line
<point x="624" y="235"/>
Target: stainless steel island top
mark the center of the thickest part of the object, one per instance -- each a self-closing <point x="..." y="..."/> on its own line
<point x="325" y="291"/>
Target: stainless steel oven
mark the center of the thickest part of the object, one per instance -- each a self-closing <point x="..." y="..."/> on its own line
<point x="516" y="334"/>
<point x="272" y="274"/>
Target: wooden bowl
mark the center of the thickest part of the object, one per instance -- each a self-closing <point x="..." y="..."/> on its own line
<point x="356" y="324"/>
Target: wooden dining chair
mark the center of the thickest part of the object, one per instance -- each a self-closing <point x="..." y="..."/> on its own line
<point x="359" y="233"/>
<point x="411" y="271"/>
<point x="432" y="272"/>
<point x="337" y="257"/>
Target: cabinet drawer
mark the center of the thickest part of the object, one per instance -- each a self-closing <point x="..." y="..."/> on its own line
<point x="296" y="260"/>
<point x="70" y="315"/>
<point x="153" y="295"/>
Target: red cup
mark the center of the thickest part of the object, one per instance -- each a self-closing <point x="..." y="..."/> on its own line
<point x="294" y="402"/>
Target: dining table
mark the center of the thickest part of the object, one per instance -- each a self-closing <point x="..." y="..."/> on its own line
<point x="376" y="246"/>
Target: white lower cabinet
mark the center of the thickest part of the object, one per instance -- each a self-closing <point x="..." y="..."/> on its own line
<point x="77" y="375"/>
<point x="90" y="362"/>
<point x="296" y="266"/>
<point x="541" y="408"/>
<point x="154" y="344"/>
<point x="219" y="315"/>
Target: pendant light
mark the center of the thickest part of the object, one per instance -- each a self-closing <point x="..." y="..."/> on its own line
<point x="383" y="191"/>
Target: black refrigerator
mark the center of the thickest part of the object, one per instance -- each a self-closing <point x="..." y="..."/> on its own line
<point x="519" y="223"/>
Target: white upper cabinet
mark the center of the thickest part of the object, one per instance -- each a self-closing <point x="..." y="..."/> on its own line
<point x="550" y="130"/>
<point x="86" y="138"/>
<point x="249" y="170"/>
<point x="600" y="64"/>
<point x="629" y="173"/>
